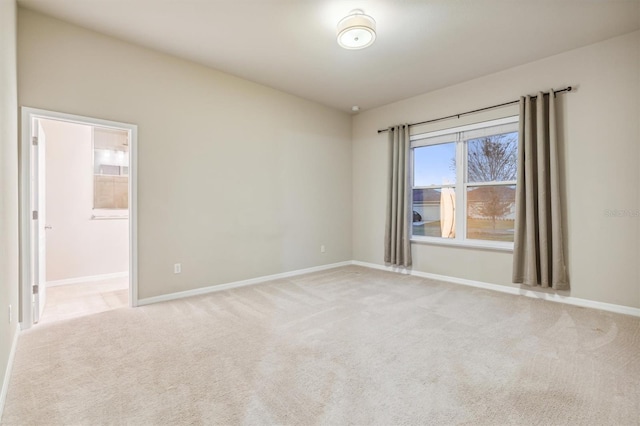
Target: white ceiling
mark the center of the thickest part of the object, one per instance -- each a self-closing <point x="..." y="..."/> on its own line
<point x="290" y="45"/>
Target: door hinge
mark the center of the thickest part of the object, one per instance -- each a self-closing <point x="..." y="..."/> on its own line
<point x="34" y="140"/>
<point x="34" y="215"/>
<point x="36" y="289"/>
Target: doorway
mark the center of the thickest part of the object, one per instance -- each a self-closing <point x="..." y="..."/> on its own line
<point x="78" y="230"/>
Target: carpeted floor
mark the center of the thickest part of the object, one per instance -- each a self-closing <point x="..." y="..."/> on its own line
<point x="345" y="346"/>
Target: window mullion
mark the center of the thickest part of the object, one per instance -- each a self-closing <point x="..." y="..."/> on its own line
<point x="491" y="183"/>
<point x="412" y="182"/>
<point x="460" y="188"/>
<point x="436" y="186"/>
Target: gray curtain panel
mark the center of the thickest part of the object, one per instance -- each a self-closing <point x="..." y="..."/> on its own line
<point x="397" y="246"/>
<point x="538" y="253"/>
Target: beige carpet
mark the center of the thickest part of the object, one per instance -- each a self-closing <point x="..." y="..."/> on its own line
<point x="345" y="346"/>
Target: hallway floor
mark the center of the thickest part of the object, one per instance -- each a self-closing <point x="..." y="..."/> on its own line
<point x="77" y="300"/>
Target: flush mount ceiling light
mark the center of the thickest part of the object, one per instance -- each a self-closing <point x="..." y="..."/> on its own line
<point x="356" y="30"/>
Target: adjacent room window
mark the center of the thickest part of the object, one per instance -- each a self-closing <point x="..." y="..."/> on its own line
<point x="110" y="172"/>
<point x="464" y="183"/>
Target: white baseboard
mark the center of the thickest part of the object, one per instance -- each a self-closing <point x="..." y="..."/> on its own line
<point x="7" y="373"/>
<point x="553" y="297"/>
<point x="235" y="284"/>
<point x="89" y="278"/>
<point x="514" y="289"/>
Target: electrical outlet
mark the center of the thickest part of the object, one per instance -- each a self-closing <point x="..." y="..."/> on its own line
<point x="322" y="249"/>
<point x="177" y="268"/>
<point x="10" y="315"/>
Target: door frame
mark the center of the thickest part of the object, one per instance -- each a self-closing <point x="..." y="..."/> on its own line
<point x="27" y="116"/>
<point x="38" y="197"/>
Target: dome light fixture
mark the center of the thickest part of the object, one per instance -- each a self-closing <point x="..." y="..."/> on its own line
<point x="356" y="30"/>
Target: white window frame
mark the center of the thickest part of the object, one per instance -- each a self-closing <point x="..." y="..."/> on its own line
<point x="460" y="187"/>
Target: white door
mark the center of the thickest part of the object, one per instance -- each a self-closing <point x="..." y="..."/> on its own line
<point x="39" y="246"/>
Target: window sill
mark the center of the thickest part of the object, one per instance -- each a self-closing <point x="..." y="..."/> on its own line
<point x="469" y="244"/>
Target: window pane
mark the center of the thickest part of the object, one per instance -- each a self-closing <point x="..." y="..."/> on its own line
<point x="434" y="212"/>
<point x="434" y="165"/>
<point x="492" y="158"/>
<point x="491" y="212"/>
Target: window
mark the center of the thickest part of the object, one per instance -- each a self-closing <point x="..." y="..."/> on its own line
<point x="472" y="167"/>
<point x="110" y="172"/>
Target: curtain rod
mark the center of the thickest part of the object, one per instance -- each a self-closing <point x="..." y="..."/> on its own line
<point x="566" y="89"/>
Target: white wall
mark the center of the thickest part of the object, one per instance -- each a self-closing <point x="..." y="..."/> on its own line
<point x="8" y="184"/>
<point x="236" y="180"/>
<point x="601" y="153"/>
<point x="77" y="246"/>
